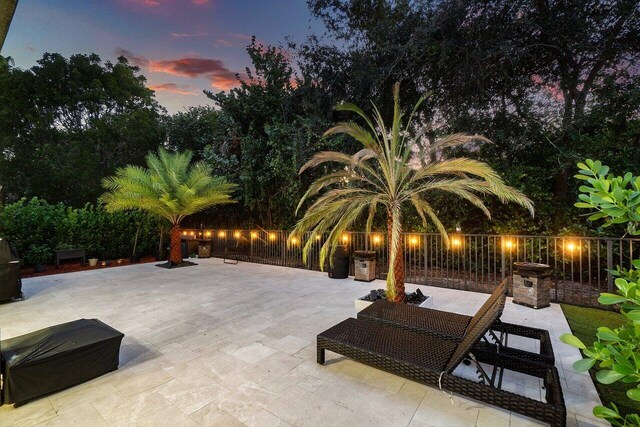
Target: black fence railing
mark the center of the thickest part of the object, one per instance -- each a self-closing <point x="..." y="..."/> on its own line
<point x="474" y="262"/>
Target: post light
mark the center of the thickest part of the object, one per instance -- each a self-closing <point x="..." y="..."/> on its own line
<point x="254" y="234"/>
<point x="208" y="234"/>
<point x="456" y="242"/>
<point x="236" y="234"/>
<point x="345" y="238"/>
<point x="193" y="233"/>
<point x="508" y="244"/>
<point x="222" y="234"/>
<point x="317" y="237"/>
<point x="272" y="236"/>
<point x="571" y="247"/>
<point x="294" y="240"/>
<point x="377" y="239"/>
<point x="184" y="233"/>
<point x="413" y="240"/>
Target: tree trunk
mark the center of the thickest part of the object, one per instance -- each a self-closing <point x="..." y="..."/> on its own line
<point x="175" y="255"/>
<point x="6" y="16"/>
<point x="395" y="277"/>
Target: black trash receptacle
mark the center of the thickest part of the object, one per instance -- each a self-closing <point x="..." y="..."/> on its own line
<point x="189" y="246"/>
<point x="340" y="267"/>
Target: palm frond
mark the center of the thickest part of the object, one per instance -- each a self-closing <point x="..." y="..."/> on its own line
<point x="169" y="187"/>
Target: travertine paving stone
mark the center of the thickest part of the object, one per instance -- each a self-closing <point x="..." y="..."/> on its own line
<point x="225" y="345"/>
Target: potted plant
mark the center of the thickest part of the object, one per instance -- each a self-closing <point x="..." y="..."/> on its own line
<point x="91" y="251"/>
<point x="38" y="256"/>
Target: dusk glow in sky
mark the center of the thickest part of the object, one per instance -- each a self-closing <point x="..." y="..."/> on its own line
<point x="181" y="46"/>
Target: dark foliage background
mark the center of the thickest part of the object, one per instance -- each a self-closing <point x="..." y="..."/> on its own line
<point x="549" y="82"/>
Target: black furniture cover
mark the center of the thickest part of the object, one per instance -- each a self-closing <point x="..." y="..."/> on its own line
<point x="10" y="283"/>
<point x="57" y="357"/>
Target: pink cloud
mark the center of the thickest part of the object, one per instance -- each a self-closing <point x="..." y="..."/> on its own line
<point x="173" y="88"/>
<point x="212" y="69"/>
<point x="224" y="42"/>
<point x="156" y="4"/>
<point x="188" y="35"/>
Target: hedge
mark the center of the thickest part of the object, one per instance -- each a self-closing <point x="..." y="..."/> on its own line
<point x="36" y="226"/>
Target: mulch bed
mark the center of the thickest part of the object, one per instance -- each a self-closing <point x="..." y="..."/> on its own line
<point x="69" y="267"/>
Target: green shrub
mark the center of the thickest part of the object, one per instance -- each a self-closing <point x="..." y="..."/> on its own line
<point x="105" y="235"/>
<point x="38" y="254"/>
<point x="616" y="353"/>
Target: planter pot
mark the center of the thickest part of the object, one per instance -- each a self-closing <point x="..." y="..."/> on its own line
<point x="361" y="304"/>
<point x="38" y="268"/>
<point x="93" y="262"/>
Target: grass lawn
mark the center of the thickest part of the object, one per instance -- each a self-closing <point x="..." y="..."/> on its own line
<point x="584" y="323"/>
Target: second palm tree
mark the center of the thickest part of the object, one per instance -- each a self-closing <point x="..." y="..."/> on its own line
<point x="393" y="169"/>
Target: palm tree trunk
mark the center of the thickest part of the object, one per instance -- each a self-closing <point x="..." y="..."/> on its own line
<point x="175" y="254"/>
<point x="395" y="277"/>
<point x="6" y="15"/>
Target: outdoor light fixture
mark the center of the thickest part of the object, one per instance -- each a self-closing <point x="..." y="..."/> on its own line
<point x="184" y="233"/>
<point x="345" y="238"/>
<point x="236" y="234"/>
<point x="254" y="234"/>
<point x="272" y="236"/>
<point x="377" y="239"/>
<point x="294" y="240"/>
<point x="208" y="234"/>
<point x="193" y="233"/>
<point x="571" y="246"/>
<point x="456" y="242"/>
<point x="508" y="244"/>
<point x="413" y="240"/>
<point x="317" y="237"/>
<point x="222" y="234"/>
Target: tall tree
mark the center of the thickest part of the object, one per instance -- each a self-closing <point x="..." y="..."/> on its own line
<point x="194" y="129"/>
<point x="72" y="121"/>
<point x="270" y="125"/>
<point x="526" y="73"/>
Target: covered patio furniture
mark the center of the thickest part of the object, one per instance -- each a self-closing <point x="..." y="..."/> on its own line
<point x="431" y="360"/>
<point x="454" y="326"/>
<point x="57" y="357"/>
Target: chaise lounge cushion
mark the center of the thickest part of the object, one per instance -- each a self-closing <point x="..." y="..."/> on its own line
<point x="404" y="346"/>
<point x="442" y="323"/>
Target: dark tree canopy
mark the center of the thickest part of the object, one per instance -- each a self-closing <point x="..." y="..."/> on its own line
<point x="550" y="82"/>
<point x="68" y="122"/>
<point x="543" y="79"/>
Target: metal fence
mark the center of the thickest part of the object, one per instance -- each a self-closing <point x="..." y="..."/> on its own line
<point x="474" y="262"/>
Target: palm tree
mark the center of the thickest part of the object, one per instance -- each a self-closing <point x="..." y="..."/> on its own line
<point x="169" y="187"/>
<point x="387" y="174"/>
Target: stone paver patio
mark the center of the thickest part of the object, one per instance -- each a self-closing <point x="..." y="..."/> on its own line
<point x="225" y="345"/>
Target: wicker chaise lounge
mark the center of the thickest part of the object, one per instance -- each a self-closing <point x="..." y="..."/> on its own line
<point x="431" y="360"/>
<point x="454" y="326"/>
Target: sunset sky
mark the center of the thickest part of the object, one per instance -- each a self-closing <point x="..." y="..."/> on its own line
<point x="182" y="46"/>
